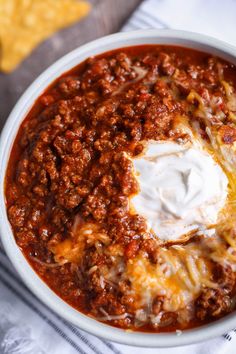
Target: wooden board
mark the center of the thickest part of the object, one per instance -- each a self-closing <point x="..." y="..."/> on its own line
<point x="107" y="16"/>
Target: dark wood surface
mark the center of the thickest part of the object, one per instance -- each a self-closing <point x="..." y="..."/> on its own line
<point x="107" y="16"/>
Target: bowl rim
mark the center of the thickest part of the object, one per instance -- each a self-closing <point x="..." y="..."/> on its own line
<point x="23" y="105"/>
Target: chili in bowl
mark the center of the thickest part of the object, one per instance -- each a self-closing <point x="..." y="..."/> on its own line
<point x="118" y="187"/>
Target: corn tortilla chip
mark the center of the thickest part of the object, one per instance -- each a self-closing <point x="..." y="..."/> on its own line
<point x="25" y="23"/>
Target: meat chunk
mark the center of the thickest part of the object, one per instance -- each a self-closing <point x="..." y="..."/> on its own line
<point x="225" y="277"/>
<point x="212" y="303"/>
<point x="227" y="134"/>
<point x="131" y="249"/>
<point x="157" y="305"/>
<point x="151" y="247"/>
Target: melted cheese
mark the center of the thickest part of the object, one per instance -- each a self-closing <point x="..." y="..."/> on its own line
<point x="72" y="248"/>
<point x="178" y="277"/>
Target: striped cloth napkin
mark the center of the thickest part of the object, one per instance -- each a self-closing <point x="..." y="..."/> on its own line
<point x="29" y="327"/>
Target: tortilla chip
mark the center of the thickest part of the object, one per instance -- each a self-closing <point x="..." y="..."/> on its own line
<point x="25" y="23"/>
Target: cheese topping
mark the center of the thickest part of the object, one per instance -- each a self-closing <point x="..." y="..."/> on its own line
<point x="178" y="276"/>
<point x="182" y="189"/>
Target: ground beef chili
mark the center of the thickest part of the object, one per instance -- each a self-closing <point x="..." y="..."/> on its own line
<point x="69" y="181"/>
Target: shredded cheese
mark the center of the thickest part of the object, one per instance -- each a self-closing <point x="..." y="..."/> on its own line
<point x="182" y="284"/>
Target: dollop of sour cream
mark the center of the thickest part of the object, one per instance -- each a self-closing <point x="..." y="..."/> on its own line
<point x="181" y="189"/>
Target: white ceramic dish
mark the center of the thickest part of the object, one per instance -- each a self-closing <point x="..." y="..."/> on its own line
<point x="38" y="287"/>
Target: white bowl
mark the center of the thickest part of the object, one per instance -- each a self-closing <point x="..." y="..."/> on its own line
<point x="32" y="280"/>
